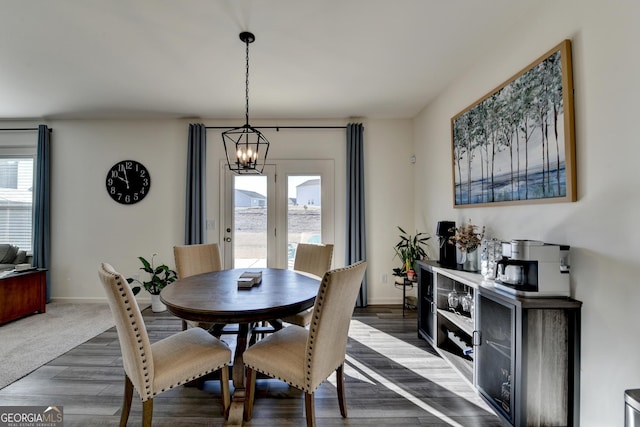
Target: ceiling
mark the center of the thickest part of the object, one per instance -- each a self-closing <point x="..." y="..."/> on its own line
<point x="323" y="59"/>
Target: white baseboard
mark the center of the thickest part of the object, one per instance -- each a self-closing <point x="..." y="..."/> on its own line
<point x="386" y="301"/>
<point x="103" y="300"/>
<point x="147" y="300"/>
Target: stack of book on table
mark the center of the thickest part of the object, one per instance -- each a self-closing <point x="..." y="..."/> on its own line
<point x="249" y="279"/>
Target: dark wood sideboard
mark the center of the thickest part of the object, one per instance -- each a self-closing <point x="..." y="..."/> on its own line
<point x="521" y="354"/>
<point x="22" y="294"/>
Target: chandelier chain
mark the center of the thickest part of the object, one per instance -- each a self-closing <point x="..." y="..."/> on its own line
<point x="246" y="113"/>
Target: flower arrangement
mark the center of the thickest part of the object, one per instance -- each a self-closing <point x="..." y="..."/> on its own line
<point x="467" y="237"/>
<point x="161" y="276"/>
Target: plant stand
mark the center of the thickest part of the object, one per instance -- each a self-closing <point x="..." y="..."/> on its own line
<point x="404" y="283"/>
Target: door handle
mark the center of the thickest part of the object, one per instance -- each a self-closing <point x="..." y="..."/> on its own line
<point x="227" y="239"/>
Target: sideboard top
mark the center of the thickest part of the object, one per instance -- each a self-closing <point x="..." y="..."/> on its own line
<point x="477" y="282"/>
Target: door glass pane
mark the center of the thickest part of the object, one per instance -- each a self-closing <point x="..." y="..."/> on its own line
<point x="495" y="354"/>
<point x="304" y="222"/>
<point x="250" y="221"/>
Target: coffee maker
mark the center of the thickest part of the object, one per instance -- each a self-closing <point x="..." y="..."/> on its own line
<point x="448" y="257"/>
<point x="533" y="269"/>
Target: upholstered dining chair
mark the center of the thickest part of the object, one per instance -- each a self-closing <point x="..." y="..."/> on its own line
<point x="314" y="259"/>
<point x="302" y="357"/>
<point x="154" y="368"/>
<point x="197" y="259"/>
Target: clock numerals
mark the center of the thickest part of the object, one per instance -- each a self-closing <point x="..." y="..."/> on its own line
<point x="128" y="182"/>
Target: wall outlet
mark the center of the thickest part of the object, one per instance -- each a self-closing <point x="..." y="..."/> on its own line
<point x="384" y="278"/>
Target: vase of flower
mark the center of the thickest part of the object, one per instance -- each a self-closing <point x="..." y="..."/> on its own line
<point x="471" y="260"/>
<point x="467" y="238"/>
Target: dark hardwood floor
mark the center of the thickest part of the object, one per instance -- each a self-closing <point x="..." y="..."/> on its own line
<point x="392" y="379"/>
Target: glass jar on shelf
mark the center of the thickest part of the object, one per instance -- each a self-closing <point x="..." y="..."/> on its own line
<point x="491" y="253"/>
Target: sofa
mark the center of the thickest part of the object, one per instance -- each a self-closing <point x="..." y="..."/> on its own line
<point x="11" y="255"/>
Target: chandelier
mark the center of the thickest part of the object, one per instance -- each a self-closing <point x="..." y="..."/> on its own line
<point x="246" y="147"/>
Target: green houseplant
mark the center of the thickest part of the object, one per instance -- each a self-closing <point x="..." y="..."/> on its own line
<point x="161" y="276"/>
<point x="410" y="249"/>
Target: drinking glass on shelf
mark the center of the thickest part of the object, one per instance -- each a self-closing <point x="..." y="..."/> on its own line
<point x="453" y="299"/>
<point x="467" y="302"/>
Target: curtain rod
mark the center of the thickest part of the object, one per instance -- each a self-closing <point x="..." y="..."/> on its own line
<point x="21" y="129"/>
<point x="277" y="128"/>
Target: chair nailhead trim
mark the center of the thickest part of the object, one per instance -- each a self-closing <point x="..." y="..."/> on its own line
<point x="136" y="328"/>
<point x="179" y="383"/>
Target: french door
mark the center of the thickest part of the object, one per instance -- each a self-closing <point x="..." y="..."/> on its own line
<point x="265" y="216"/>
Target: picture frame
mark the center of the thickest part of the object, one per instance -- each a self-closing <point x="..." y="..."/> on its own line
<point x="516" y="145"/>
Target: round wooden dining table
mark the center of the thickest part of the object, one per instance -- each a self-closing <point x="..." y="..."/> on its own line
<point x="215" y="298"/>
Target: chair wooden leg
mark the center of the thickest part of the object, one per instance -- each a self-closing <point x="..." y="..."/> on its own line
<point x="147" y="412"/>
<point x="250" y="383"/>
<point x="216" y="330"/>
<point x="254" y="336"/>
<point x="342" y="400"/>
<point x="224" y="390"/>
<point x="310" y="409"/>
<point x="126" y="404"/>
<point x="277" y="324"/>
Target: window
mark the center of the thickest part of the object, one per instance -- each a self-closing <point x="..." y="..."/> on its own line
<point x="16" y="201"/>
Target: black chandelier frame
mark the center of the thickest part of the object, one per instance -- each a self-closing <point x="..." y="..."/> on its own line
<point x="245" y="147"/>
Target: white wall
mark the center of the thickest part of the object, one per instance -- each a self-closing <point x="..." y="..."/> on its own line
<point x="389" y="194"/>
<point x="601" y="226"/>
<point x="88" y="227"/>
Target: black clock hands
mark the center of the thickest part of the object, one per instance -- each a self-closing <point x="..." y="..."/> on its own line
<point x="125" y="179"/>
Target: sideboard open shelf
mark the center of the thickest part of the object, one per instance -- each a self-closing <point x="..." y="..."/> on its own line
<point x="521" y="354"/>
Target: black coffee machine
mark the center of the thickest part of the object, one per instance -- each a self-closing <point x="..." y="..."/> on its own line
<point x="448" y="257"/>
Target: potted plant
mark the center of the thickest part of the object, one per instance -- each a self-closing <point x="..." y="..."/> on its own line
<point x="410" y="249"/>
<point x="161" y="276"/>
<point x="468" y="238"/>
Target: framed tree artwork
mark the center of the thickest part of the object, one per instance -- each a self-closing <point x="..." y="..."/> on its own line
<point x="517" y="144"/>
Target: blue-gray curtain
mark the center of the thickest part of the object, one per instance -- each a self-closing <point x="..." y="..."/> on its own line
<point x="42" y="205"/>
<point x="196" y="208"/>
<point x="356" y="230"/>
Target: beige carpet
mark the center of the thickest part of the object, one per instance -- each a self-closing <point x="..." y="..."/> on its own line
<point x="29" y="343"/>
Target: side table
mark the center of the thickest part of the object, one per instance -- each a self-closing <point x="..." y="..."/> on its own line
<point x="404" y="283"/>
<point x="22" y="294"/>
